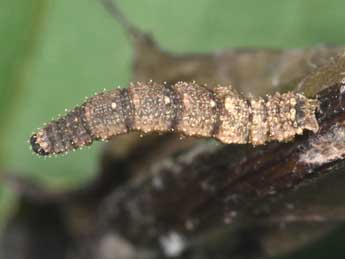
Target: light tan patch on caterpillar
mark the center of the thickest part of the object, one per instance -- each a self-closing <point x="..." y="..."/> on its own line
<point x="234" y="116"/>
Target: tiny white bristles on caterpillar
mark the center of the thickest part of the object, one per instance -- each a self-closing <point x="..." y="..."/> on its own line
<point x="187" y="108"/>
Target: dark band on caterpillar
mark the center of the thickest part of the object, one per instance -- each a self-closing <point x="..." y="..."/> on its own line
<point x="250" y="120"/>
<point x="216" y="108"/>
<point x="176" y="101"/>
<point x="187" y="108"/>
<point x="127" y="108"/>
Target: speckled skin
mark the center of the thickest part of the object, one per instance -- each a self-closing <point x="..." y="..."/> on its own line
<point x="187" y="108"/>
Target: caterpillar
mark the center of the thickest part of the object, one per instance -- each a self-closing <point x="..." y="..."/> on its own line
<point x="220" y="113"/>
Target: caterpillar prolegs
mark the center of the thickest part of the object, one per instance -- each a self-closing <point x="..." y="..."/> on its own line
<point x="187" y="108"/>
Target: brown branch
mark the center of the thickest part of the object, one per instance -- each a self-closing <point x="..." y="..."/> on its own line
<point x="209" y="186"/>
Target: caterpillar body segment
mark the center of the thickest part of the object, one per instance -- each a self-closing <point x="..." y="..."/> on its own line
<point x="187" y="108"/>
<point x="67" y="133"/>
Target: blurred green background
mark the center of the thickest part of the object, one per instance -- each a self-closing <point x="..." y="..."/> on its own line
<point x="54" y="53"/>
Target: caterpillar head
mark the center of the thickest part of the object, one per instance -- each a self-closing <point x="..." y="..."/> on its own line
<point x="40" y="143"/>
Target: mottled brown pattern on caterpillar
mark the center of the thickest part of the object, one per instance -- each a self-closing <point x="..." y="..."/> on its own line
<point x="187" y="108"/>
